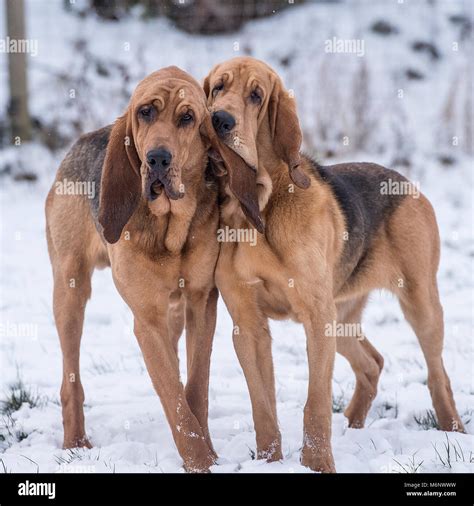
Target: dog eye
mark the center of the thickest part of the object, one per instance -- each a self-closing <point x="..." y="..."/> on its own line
<point x="255" y="97"/>
<point x="217" y="88"/>
<point x="145" y="111"/>
<point x="186" y="119"/>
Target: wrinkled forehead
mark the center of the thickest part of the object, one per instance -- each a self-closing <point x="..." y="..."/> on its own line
<point x="244" y="74"/>
<point x="168" y="93"/>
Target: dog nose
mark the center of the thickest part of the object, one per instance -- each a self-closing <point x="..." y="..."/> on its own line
<point x="223" y="122"/>
<point x="159" y="158"/>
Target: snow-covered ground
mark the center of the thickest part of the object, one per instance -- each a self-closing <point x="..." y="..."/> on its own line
<point x="124" y="418"/>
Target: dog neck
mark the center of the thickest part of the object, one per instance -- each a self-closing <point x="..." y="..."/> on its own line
<point x="231" y="213"/>
<point x="163" y="226"/>
<point x="272" y="175"/>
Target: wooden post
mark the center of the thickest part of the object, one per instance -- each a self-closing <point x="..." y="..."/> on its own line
<point x="20" y="122"/>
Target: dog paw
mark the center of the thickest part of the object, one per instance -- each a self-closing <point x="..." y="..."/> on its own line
<point x="200" y="465"/>
<point x="271" y="452"/>
<point x="199" y="458"/>
<point x="321" y="461"/>
<point x="76" y="442"/>
<point x="355" y="420"/>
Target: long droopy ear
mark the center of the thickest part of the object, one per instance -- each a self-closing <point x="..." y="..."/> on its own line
<point x="286" y="132"/>
<point x="120" y="186"/>
<point x="242" y="178"/>
<point x="206" y="86"/>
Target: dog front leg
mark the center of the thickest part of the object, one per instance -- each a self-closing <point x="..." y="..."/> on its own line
<point x="252" y="343"/>
<point x="321" y="348"/>
<point x="201" y="311"/>
<point x="162" y="365"/>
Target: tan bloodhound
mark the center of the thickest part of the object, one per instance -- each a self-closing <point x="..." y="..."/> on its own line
<point x="328" y="236"/>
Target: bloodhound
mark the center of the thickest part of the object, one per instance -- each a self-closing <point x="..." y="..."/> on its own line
<point x="153" y="219"/>
<point x="328" y="236"/>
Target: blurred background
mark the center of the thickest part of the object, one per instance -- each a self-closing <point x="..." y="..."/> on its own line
<point x="402" y="93"/>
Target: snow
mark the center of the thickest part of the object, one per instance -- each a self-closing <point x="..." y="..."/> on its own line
<point x="124" y="418"/>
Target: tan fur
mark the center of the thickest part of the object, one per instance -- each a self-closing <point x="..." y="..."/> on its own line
<point x="296" y="269"/>
<point x="162" y="262"/>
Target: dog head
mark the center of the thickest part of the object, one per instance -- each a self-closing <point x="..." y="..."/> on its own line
<point x="157" y="149"/>
<point x="254" y="114"/>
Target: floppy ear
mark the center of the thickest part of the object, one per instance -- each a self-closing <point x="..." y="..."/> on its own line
<point x="242" y="178"/>
<point x="120" y="185"/>
<point x="286" y="132"/>
<point x="206" y="86"/>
